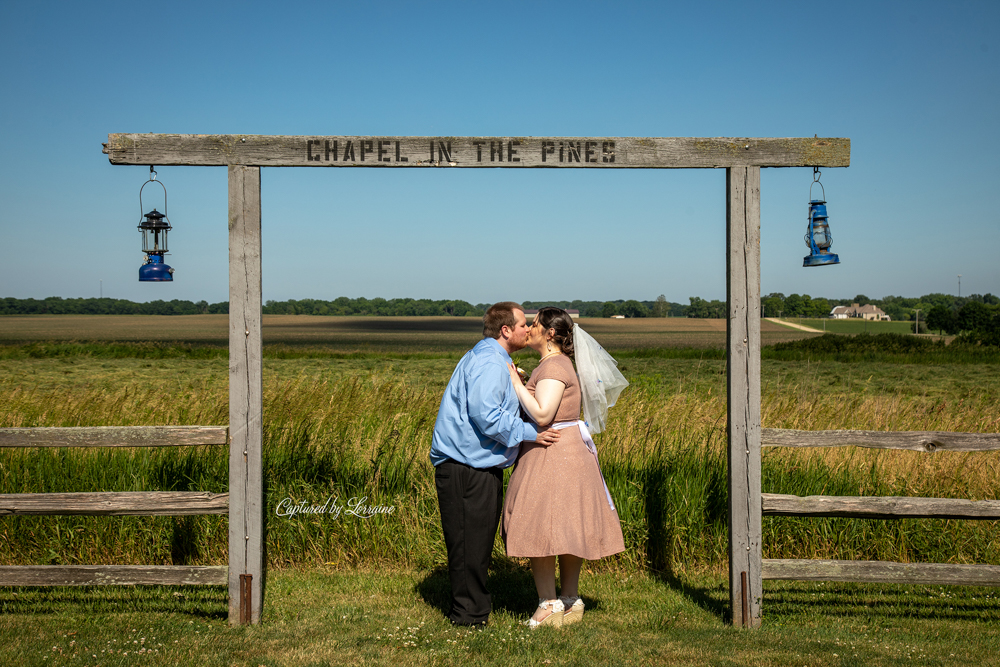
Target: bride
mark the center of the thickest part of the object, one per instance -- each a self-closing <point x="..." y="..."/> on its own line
<point x="557" y="503"/>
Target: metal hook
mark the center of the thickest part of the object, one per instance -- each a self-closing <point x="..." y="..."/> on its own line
<point x="816" y="176"/>
<point x="152" y="178"/>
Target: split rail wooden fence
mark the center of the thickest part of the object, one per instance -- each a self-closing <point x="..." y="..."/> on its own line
<point x="875" y="507"/>
<point x="244" y="155"/>
<point x="146" y="503"/>
<point x="742" y="158"/>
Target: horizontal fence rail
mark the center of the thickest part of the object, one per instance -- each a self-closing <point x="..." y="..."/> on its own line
<point x="128" y="503"/>
<point x="254" y="150"/>
<point x="921" y="441"/>
<point x="878" y="507"/>
<point x="883" y="572"/>
<point x="113" y="575"/>
<point x="114" y="436"/>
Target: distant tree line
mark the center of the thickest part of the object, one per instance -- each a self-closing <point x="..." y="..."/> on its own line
<point x="55" y="305"/>
<point x="896" y="307"/>
<point x="378" y="306"/>
<point x="660" y="307"/>
<point x="777" y="304"/>
<point x="940" y="312"/>
<point x="978" y="321"/>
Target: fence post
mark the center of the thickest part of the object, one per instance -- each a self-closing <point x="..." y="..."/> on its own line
<point x="743" y="391"/>
<point x="246" y="497"/>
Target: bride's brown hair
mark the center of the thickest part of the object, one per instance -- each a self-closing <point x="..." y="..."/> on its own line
<point x="560" y="320"/>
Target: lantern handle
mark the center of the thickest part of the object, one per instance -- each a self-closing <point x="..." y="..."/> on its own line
<point x="816" y="176"/>
<point x="152" y="179"/>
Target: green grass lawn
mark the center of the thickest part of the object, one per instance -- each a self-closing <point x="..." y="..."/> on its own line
<point x="319" y="617"/>
<point x="851" y="326"/>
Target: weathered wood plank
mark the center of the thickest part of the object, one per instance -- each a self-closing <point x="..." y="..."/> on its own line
<point x="879" y="507"/>
<point x="113" y="575"/>
<point x="246" y="518"/>
<point x="514" y="152"/>
<point x="124" y="503"/>
<point x="114" y="436"/>
<point x="882" y="572"/>
<point x="921" y="441"/>
<point x="743" y="369"/>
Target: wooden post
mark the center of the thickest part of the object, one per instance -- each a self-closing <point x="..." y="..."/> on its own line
<point x="743" y="370"/>
<point x="246" y="497"/>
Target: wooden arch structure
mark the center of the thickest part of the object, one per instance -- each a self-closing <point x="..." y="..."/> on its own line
<point x="244" y="155"/>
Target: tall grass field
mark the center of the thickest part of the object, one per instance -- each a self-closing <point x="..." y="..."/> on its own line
<point x="349" y="433"/>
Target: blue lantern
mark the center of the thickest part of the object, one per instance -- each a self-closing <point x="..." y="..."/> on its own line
<point x="154" y="227"/>
<point x="818" y="237"/>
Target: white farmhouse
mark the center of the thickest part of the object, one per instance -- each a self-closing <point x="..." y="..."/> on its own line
<point x="867" y="312"/>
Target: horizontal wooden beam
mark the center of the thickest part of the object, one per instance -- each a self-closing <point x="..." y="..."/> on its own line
<point x="515" y="152"/>
<point x="921" y="441"/>
<point x="128" y="503"/>
<point x="882" y="572"/>
<point x="113" y="575"/>
<point x="114" y="436"/>
<point x="878" y="507"/>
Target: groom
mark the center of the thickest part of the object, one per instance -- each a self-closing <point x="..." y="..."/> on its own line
<point x="477" y="435"/>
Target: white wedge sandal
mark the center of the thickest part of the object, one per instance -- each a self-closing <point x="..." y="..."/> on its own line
<point x="574" y="610"/>
<point x="555" y="617"/>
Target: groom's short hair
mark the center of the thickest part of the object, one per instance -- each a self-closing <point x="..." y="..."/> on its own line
<point x="498" y="316"/>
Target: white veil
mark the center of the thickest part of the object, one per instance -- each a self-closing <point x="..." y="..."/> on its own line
<point x="600" y="380"/>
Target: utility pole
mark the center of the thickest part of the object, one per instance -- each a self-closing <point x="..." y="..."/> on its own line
<point x="960" y="286"/>
<point x="916" y="329"/>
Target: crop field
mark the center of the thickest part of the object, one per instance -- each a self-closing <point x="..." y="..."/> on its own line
<point x="349" y="405"/>
<point x="449" y="335"/>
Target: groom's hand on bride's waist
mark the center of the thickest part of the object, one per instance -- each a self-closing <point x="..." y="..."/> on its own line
<point x="548" y="437"/>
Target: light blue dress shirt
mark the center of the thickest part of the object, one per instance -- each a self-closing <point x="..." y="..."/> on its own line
<point x="479" y="421"/>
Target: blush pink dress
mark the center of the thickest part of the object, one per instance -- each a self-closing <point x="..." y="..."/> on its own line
<point x="556" y="503"/>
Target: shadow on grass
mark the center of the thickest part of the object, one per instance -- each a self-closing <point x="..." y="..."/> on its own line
<point x="510" y="584"/>
<point x="659" y="542"/>
<point x="885" y="601"/>
<point x="205" y="602"/>
<point x="713" y="599"/>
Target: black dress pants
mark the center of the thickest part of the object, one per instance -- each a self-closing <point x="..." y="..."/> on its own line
<point x="471" y="501"/>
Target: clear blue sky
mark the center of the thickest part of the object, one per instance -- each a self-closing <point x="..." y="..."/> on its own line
<point x="914" y="85"/>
